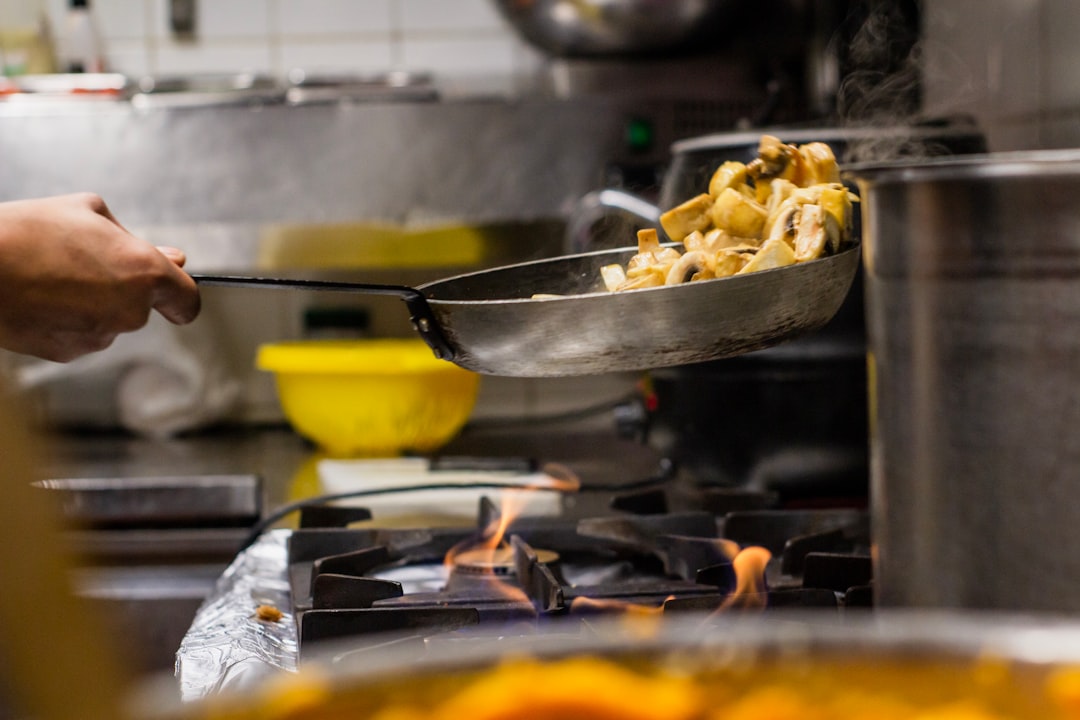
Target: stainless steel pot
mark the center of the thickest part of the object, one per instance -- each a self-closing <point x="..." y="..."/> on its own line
<point x="972" y="273"/>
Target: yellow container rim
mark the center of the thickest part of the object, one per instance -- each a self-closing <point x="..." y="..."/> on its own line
<point x="369" y="357"/>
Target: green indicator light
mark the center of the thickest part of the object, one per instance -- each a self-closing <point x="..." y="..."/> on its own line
<point x="639" y="134"/>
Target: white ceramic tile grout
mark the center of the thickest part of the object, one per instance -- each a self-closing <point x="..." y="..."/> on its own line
<point x="397" y="52"/>
<point x="421" y="34"/>
<point x="150" y="42"/>
<point x="274" y="39"/>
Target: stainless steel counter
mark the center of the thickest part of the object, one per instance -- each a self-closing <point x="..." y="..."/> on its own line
<point x="275" y="454"/>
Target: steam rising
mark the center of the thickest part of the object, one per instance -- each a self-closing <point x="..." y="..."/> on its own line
<point x="884" y="81"/>
<point x="882" y="87"/>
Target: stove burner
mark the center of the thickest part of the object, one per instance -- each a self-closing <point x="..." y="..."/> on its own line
<point x="498" y="562"/>
<point x="362" y="582"/>
<point x="493" y="570"/>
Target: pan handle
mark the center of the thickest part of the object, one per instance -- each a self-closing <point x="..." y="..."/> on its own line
<point x="419" y="311"/>
<point x="599" y="204"/>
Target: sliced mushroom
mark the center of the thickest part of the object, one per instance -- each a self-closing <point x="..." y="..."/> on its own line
<point x="644" y="281"/>
<point x="717" y="239"/>
<point x="681" y="220"/>
<point x="779" y="191"/>
<point x="775" y="159"/>
<point x="613" y="276"/>
<point x="836" y="202"/>
<point x="729" y="262"/>
<point x="784" y="223"/>
<point x="731" y="174"/>
<point x="738" y="214"/>
<point x="819" y="163"/>
<point x="811" y="234"/>
<point x="686" y="267"/>
<point x="694" y="241"/>
<point x="648" y="240"/>
<point x="773" y="254"/>
<point x="649" y="253"/>
<point x="785" y="206"/>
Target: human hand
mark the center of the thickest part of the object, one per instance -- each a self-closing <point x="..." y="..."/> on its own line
<point x="72" y="278"/>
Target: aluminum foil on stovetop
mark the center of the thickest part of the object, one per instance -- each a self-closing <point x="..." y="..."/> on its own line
<point x="227" y="645"/>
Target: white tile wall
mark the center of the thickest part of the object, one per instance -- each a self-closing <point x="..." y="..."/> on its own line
<point x="449" y="15"/>
<point x="328" y="54"/>
<point x="450" y="38"/>
<point x="336" y="17"/>
<point x="460" y="56"/>
<point x="217" y="20"/>
<point x="121" y="19"/>
<point x="171" y="57"/>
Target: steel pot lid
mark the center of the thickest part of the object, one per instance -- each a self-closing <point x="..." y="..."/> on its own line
<point x="915" y="133"/>
<point x="1028" y="163"/>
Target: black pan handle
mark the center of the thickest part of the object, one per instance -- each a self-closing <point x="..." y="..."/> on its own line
<point x="419" y="310"/>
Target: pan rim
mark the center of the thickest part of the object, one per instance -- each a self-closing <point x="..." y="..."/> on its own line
<point x="556" y="297"/>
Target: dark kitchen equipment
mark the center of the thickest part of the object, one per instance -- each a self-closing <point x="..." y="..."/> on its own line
<point x="489" y="321"/>
<point x="973" y="314"/>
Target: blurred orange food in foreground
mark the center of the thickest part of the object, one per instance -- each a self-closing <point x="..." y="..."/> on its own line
<point x="689" y="687"/>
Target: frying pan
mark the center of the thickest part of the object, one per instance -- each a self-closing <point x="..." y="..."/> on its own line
<point x="490" y="322"/>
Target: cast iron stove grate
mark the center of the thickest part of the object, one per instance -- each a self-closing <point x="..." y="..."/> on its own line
<point x="359" y="583"/>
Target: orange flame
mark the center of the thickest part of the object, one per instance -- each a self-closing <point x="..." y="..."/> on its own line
<point x="559" y="477"/>
<point x="514" y="501"/>
<point x="729" y="548"/>
<point x="492" y="537"/>
<point x="749" y="590"/>
<point x="585" y="604"/>
<point x="491" y="551"/>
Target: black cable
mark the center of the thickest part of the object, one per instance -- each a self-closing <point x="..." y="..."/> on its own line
<point x="285" y="510"/>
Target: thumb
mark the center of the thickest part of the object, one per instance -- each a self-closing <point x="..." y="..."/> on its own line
<point x="175" y="254"/>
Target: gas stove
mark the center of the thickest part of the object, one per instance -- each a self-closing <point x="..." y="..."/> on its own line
<point x="361" y="583"/>
<point x="345" y="581"/>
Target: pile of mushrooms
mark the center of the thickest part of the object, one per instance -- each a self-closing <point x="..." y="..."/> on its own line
<point x="784" y="207"/>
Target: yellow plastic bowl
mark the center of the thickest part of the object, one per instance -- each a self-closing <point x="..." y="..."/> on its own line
<point x="369" y="398"/>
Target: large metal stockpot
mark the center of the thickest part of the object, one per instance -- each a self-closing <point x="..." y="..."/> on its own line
<point x="972" y="275"/>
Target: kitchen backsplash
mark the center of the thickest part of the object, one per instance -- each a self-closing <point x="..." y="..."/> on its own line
<point x="458" y="39"/>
